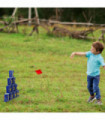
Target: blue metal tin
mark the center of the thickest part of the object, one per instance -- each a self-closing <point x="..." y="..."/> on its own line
<point x="13" y="87"/>
<point x="13" y="80"/>
<point x="10" y="96"/>
<point x="6" y="97"/>
<point x="11" y="72"/>
<point x="9" y="81"/>
<point x="14" y="94"/>
<point x="17" y="93"/>
<point x="8" y="88"/>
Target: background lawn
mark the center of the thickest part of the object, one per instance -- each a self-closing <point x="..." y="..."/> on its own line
<point x="63" y="85"/>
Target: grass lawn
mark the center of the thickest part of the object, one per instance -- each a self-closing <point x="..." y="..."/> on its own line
<point x="63" y="85"/>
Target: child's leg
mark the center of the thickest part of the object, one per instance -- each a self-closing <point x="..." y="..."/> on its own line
<point x="96" y="87"/>
<point x="90" y="85"/>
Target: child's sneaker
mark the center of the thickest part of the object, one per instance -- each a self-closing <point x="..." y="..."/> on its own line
<point x="98" y="102"/>
<point x="91" y="99"/>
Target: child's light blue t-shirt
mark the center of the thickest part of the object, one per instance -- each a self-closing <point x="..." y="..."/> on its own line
<point x="93" y="63"/>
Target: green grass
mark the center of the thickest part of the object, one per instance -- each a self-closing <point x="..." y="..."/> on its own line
<point x="63" y="85"/>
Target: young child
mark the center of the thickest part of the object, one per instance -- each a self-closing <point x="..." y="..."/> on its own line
<point x="95" y="60"/>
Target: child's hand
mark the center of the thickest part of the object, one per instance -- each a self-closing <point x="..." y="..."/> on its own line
<point x="72" y="55"/>
<point x="104" y="67"/>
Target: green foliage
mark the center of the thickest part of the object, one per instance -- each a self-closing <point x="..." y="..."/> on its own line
<point x="7" y="19"/>
<point x="94" y="15"/>
<point x="61" y="88"/>
<point x="23" y="12"/>
<point x="46" y="12"/>
<point x="6" y="11"/>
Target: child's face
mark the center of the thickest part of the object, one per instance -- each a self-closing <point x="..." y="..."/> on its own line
<point x="93" y="50"/>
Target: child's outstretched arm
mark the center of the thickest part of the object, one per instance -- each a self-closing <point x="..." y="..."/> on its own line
<point x="78" y="53"/>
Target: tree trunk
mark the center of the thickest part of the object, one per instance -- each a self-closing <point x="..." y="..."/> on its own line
<point x="14" y="12"/>
<point x="56" y="12"/>
<point x="37" y="17"/>
<point x="29" y="16"/>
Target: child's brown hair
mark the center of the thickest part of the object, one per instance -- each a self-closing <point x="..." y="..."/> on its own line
<point x="98" y="46"/>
